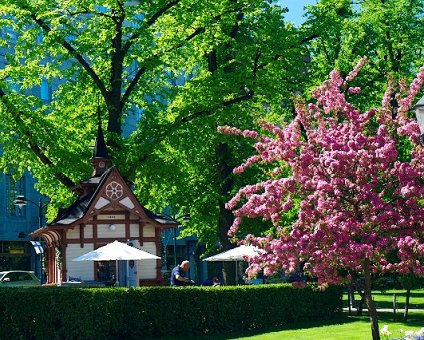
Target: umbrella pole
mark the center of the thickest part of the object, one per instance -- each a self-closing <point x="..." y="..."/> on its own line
<point x="127" y="273"/>
<point x="117" y="273"/>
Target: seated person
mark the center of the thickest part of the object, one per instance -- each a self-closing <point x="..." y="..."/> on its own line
<point x="74" y="279"/>
<point x="111" y="282"/>
<point x="216" y="282"/>
<point x="178" y="278"/>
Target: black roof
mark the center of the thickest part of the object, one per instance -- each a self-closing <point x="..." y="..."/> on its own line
<point x="100" y="149"/>
<point x="79" y="207"/>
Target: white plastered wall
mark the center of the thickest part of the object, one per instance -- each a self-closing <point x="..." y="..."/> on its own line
<point x="146" y="269"/>
<point x="82" y="269"/>
<point x="74" y="234"/>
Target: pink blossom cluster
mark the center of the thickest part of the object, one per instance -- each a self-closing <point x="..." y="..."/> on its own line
<point x="352" y="74"/>
<point x="355" y="200"/>
<point x="406" y="102"/>
<point x="354" y="90"/>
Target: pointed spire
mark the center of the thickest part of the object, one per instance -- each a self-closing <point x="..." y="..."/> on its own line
<point x="101" y="157"/>
<point x="100" y="149"/>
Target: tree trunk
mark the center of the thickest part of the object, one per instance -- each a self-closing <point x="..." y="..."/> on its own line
<point x="226" y="218"/>
<point x="350" y="298"/>
<point x="224" y="169"/>
<point x="408" y="295"/>
<point x="225" y="221"/>
<point x="113" y="100"/>
<point x="359" y="307"/>
<point x="370" y="303"/>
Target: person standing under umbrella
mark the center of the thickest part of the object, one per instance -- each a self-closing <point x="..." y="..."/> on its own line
<point x="178" y="278"/>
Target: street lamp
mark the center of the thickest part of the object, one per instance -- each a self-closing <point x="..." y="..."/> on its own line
<point x="22" y="201"/>
<point x="175" y="245"/>
<point x="419" y="113"/>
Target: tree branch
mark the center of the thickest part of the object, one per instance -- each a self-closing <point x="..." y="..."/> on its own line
<point x="121" y="6"/>
<point x="179" y="122"/>
<point x="256" y="62"/>
<point x="132" y="85"/>
<point x="249" y="94"/>
<point x="46" y="28"/>
<point x="65" y="180"/>
<point x="150" y="22"/>
<point x="301" y="42"/>
<point x="143" y="69"/>
<point x="161" y="11"/>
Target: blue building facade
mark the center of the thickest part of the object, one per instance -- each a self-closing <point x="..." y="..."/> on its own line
<point x="16" y="252"/>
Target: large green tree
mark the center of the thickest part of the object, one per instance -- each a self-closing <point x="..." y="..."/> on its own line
<point x="250" y="75"/>
<point x="389" y="32"/>
<point x="183" y="66"/>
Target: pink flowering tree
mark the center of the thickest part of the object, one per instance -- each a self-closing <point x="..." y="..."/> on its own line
<point x="355" y="179"/>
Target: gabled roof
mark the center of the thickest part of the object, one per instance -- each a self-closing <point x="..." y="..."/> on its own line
<point x="73" y="213"/>
<point x="80" y="207"/>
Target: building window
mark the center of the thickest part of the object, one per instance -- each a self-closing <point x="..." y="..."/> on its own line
<point x="15" y="255"/>
<point x="15" y="188"/>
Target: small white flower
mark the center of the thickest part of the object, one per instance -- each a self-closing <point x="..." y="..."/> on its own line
<point x="384" y="331"/>
<point x="409" y="335"/>
<point x="420" y="332"/>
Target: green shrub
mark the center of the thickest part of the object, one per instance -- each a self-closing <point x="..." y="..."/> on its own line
<point x="94" y="313"/>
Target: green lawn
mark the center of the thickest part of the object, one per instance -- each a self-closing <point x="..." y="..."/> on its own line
<point x="345" y="327"/>
<point x="385" y="299"/>
<point x="355" y="328"/>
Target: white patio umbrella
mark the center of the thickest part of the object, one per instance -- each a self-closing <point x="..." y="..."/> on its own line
<point x="239" y="253"/>
<point x="116" y="251"/>
<point x="235" y="254"/>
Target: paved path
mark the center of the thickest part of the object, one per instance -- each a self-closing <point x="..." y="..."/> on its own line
<point x="390" y="310"/>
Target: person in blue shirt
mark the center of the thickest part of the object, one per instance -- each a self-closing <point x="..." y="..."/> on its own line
<point x="178" y="278"/>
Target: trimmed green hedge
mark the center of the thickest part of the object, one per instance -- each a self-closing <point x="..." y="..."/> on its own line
<point x="134" y="313"/>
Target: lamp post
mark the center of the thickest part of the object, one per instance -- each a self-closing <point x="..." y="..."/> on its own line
<point x="419" y="113"/>
<point x="22" y="201"/>
<point x="184" y="218"/>
<point x="175" y="246"/>
<point x="174" y="230"/>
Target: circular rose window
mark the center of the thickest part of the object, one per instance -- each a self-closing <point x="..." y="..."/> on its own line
<point x="114" y="190"/>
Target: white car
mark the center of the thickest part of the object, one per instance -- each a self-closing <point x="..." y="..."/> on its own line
<point x="18" y="278"/>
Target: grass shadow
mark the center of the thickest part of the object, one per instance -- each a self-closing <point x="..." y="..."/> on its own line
<point x="416" y="319"/>
<point x="384" y="299"/>
<point x="343" y="318"/>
